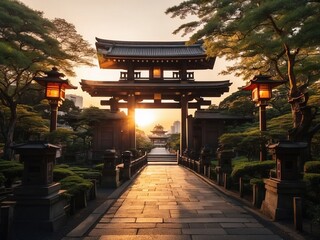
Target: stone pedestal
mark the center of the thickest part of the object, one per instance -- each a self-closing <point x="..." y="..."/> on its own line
<point x="39" y="207"/>
<point x="278" y="202"/>
<point x="39" y="204"/>
<point x="111" y="178"/>
<point x="110" y="172"/>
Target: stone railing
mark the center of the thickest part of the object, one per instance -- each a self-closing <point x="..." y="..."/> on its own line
<point x="114" y="174"/>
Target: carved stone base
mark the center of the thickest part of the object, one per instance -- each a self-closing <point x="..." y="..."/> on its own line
<point x="278" y="202"/>
<point x="39" y="207"/>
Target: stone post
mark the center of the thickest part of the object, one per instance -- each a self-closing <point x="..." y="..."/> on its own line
<point x="205" y="160"/>
<point x="110" y="172"/>
<point x="127" y="158"/>
<point x="224" y="163"/>
<point x="287" y="183"/>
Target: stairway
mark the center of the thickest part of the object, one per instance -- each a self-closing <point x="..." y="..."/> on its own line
<point x="158" y="155"/>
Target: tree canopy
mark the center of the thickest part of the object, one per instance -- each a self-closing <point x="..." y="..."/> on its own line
<point x="279" y="38"/>
<point x="30" y="44"/>
<point x="262" y="36"/>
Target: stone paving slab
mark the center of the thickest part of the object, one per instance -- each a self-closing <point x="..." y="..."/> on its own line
<point x="169" y="202"/>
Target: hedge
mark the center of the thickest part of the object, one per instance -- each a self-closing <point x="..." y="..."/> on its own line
<point x="61" y="173"/>
<point x="312" y="167"/>
<point x="75" y="184"/>
<point x="11" y="171"/>
<point x="313" y="186"/>
<point x="253" y="169"/>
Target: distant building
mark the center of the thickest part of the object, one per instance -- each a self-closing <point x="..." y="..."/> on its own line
<point x="175" y="128"/>
<point x="78" y="100"/>
<point x="159" y="137"/>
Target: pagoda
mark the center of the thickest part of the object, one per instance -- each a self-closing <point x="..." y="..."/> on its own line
<point x="159" y="138"/>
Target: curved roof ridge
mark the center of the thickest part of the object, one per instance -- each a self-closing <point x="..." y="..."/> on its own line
<point x="146" y="43"/>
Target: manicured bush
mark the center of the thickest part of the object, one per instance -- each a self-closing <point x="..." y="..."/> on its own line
<point x="62" y="166"/>
<point x="91" y="175"/>
<point x="313" y="186"/>
<point x="99" y="167"/>
<point x="252" y="169"/>
<point x="312" y="167"/>
<point x="75" y="184"/>
<point x="61" y="173"/>
<point x="11" y="170"/>
<point x="258" y="181"/>
<point x="8" y="164"/>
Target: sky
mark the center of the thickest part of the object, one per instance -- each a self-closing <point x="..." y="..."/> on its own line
<point x="127" y="20"/>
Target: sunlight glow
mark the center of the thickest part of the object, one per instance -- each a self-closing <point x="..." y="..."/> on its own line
<point x="145" y="117"/>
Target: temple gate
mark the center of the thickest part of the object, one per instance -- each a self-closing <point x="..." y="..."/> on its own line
<point x="155" y="75"/>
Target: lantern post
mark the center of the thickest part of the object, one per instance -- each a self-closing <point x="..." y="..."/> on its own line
<point x="55" y="88"/>
<point x="261" y="87"/>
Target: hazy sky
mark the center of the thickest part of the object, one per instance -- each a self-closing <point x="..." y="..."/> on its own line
<point x="140" y="20"/>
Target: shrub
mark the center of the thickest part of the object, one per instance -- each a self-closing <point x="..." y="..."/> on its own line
<point x="313" y="186"/>
<point x="252" y="169"/>
<point x="11" y="171"/>
<point x="61" y="173"/>
<point x="99" y="167"/>
<point x="312" y="167"/>
<point x="90" y="175"/>
<point x="75" y="184"/>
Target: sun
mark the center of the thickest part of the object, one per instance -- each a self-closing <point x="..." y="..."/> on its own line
<point x="144" y="117"/>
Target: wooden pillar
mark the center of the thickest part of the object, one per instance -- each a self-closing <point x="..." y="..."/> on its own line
<point x="184" y="115"/>
<point x="130" y="72"/>
<point x="131" y="118"/>
<point x="54" y="115"/>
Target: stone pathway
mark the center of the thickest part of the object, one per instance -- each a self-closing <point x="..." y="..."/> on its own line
<point x="171" y="203"/>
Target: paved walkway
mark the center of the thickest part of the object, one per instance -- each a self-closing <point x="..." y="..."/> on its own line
<point x="171" y="203"/>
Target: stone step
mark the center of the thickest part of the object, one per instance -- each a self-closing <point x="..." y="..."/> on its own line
<point x="162" y="158"/>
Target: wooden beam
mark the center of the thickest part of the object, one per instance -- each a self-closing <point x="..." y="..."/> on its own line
<point x="159" y="105"/>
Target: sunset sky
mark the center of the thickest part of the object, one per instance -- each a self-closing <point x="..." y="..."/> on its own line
<point x="136" y="20"/>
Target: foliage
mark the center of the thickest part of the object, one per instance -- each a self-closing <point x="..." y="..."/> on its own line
<point x="30" y="43"/>
<point x="11" y="170"/>
<point x="252" y="169"/>
<point x="277" y="38"/>
<point x="174" y="141"/>
<point x="238" y="103"/>
<point x="61" y="173"/>
<point x="99" y="167"/>
<point x="313" y="187"/>
<point x="259" y="36"/>
<point x="142" y="141"/>
<point x="312" y="167"/>
<point x="258" y="181"/>
<point x="75" y="184"/>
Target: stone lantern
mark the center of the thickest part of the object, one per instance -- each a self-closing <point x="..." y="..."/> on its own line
<point x="55" y="88"/>
<point x="287" y="184"/>
<point x="39" y="203"/>
<point x="261" y="87"/>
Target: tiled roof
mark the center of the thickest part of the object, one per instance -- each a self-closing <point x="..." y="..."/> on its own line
<point x="149" y="49"/>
